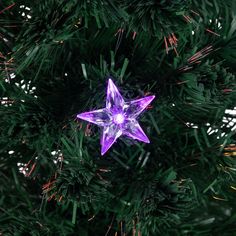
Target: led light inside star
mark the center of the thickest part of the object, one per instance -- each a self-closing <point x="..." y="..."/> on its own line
<point x="119" y="118"/>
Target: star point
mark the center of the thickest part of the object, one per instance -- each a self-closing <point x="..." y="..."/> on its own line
<point x="118" y="117"/>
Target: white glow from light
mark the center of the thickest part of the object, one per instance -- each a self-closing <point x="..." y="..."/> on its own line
<point x="12" y="75"/>
<point x="223" y="134"/>
<point x="231" y="112"/>
<point x="211" y="132"/>
<point x="118" y="118"/>
<point x="53" y="153"/>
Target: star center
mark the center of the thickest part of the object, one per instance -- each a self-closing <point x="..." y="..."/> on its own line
<point x="118" y="118"/>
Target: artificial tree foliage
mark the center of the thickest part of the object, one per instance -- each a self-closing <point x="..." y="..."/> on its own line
<point x="55" y="60"/>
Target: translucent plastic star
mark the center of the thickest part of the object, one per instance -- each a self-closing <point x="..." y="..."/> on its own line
<point x="118" y="117"/>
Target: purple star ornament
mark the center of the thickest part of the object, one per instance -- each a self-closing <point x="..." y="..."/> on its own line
<point x="118" y="117"/>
